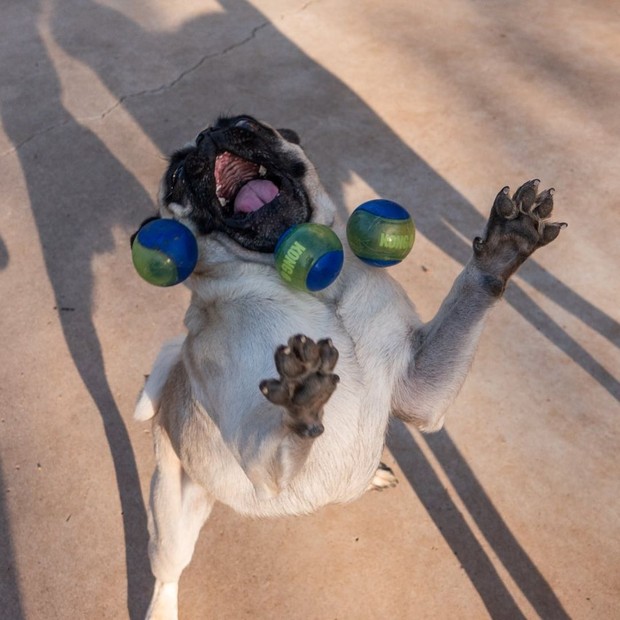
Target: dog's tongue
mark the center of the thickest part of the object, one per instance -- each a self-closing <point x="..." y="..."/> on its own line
<point x="254" y="195"/>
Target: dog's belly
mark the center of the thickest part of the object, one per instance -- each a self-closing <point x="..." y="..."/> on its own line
<point x="339" y="468"/>
<point x="343" y="460"/>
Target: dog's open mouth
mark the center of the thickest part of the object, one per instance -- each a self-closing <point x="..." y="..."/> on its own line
<point x="242" y="186"/>
<point x="242" y="179"/>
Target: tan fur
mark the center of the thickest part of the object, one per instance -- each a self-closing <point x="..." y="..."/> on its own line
<point x="218" y="438"/>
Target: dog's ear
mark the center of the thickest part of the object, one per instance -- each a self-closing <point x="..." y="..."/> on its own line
<point x="290" y="136"/>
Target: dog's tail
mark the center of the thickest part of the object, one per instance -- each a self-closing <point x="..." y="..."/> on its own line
<point x="148" y="402"/>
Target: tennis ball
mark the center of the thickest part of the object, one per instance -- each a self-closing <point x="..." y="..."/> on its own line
<point x="380" y="232"/>
<point x="164" y="252"/>
<point x="309" y="256"/>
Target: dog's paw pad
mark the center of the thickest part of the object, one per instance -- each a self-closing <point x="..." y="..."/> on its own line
<point x="306" y="382"/>
<point x="525" y="196"/>
<point x="301" y="356"/>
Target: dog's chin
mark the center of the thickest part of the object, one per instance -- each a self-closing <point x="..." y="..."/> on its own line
<point x="262" y="233"/>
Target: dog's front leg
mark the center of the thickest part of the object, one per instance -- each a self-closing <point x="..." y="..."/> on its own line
<point x="442" y="350"/>
<point x="306" y="382"/>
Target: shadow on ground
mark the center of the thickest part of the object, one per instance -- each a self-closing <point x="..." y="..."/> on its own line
<point x="9" y="582"/>
<point x="457" y="533"/>
<point x="82" y="183"/>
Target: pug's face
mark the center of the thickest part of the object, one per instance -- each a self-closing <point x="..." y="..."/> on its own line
<point x="245" y="179"/>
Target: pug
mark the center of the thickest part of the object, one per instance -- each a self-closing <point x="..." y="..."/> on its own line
<point x="276" y="401"/>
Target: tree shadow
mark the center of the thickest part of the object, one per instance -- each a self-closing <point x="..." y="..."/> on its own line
<point x="73" y="180"/>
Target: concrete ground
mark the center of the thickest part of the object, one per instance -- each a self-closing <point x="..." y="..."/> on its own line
<point x="513" y="509"/>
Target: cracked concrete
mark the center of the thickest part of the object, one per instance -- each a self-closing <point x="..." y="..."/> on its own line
<point x="512" y="510"/>
<point x="151" y="91"/>
<point x="159" y="89"/>
<point x="188" y="71"/>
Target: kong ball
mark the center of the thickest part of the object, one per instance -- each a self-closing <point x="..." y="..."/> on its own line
<point x="380" y="232"/>
<point x="164" y="252"/>
<point x="309" y="256"/>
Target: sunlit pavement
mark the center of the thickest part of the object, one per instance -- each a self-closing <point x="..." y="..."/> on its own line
<point x="512" y="510"/>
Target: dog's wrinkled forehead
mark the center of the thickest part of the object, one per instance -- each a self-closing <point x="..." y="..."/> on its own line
<point x="244" y="178"/>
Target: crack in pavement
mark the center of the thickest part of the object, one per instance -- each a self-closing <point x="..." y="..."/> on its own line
<point x="159" y="89"/>
<point x="183" y="74"/>
<point x="145" y="92"/>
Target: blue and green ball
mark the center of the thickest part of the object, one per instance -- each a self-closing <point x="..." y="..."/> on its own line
<point x="380" y="232"/>
<point x="309" y="256"/>
<point x="164" y="252"/>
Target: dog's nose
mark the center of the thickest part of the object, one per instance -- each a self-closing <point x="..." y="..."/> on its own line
<point x="202" y="135"/>
<point x="209" y="142"/>
<point x="205" y="139"/>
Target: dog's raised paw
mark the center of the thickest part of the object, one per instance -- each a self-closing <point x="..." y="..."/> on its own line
<point x="516" y="228"/>
<point x="306" y="382"/>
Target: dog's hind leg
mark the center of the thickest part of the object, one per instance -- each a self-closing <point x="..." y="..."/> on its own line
<point x="178" y="509"/>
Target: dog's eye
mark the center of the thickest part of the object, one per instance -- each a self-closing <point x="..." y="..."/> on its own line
<point x="177" y="175"/>
<point x="247" y="123"/>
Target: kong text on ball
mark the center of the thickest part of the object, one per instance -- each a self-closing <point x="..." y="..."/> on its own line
<point x="164" y="252"/>
<point x="309" y="256"/>
<point x="380" y="232"/>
